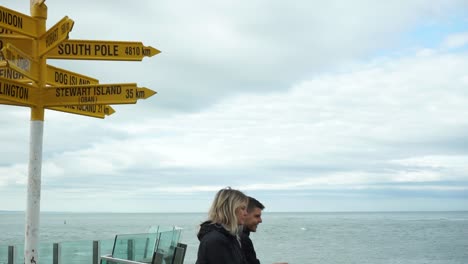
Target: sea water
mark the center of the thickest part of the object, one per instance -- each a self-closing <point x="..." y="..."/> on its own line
<point x="297" y="238"/>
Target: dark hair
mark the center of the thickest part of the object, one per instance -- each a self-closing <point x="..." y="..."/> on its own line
<point x="254" y="203"/>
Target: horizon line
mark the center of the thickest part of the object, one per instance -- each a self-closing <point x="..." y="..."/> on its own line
<point x="264" y="212"/>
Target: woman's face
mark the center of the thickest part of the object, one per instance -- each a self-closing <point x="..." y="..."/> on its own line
<point x="241" y="213"/>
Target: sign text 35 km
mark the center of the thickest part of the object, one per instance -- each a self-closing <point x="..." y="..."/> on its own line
<point x="123" y="93"/>
<point x="101" y="50"/>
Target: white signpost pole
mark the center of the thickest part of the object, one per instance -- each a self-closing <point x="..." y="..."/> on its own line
<point x="33" y="206"/>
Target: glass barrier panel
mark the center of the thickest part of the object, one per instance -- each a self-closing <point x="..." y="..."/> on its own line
<point x="45" y="253"/>
<point x="75" y="252"/>
<point x="19" y="254"/>
<point x="105" y="246"/>
<point x="167" y="242"/>
<point x="3" y="254"/>
<point x="137" y="247"/>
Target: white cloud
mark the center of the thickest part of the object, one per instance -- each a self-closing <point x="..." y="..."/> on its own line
<point x="13" y="175"/>
<point x="456" y="40"/>
<point x="259" y="95"/>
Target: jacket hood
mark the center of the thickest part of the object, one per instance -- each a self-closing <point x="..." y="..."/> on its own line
<point x="208" y="226"/>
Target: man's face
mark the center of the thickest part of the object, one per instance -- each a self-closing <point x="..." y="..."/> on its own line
<point x="253" y="218"/>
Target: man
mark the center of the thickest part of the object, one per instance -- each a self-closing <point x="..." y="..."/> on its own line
<point x="253" y="219"/>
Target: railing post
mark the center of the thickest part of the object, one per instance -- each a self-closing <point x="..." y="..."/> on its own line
<point x="157" y="258"/>
<point x="55" y="253"/>
<point x="179" y="253"/>
<point x="130" y="250"/>
<point x="11" y="254"/>
<point x="145" y="254"/>
<point x="96" y="252"/>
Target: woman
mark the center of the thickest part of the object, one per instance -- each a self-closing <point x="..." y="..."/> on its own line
<point x="219" y="235"/>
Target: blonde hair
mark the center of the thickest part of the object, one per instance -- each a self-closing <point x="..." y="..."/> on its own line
<point x="223" y="209"/>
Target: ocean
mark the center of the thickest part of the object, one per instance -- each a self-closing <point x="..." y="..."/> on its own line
<point x="296" y="238"/>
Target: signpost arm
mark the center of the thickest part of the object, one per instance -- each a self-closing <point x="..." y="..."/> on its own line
<point x="39" y="11"/>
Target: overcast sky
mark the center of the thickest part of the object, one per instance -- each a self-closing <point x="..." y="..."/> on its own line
<point x="306" y="105"/>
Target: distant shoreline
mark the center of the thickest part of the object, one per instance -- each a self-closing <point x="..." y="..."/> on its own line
<point x="266" y="212"/>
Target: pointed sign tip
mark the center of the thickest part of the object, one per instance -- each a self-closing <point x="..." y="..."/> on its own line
<point x="147" y="92"/>
<point x="153" y="51"/>
<point x="110" y="110"/>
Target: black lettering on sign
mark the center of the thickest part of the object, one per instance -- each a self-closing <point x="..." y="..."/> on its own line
<point x="108" y="90"/>
<point x="88" y="99"/>
<point x="131" y="51"/>
<point x="83" y="81"/>
<point x="87" y="108"/>
<point x="11" y="19"/>
<point x="65" y="27"/>
<point x="129" y="93"/>
<point x="61" y="78"/>
<point x="5" y="31"/>
<point x="51" y="38"/>
<point x="106" y="50"/>
<point x="140" y="94"/>
<point x="14" y="91"/>
<point x="10" y="74"/>
<point x="74" y="49"/>
<point x="72" y="91"/>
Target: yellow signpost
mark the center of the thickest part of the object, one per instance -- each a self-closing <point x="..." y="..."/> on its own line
<point x="58" y="76"/>
<point x="21" y="42"/>
<point x="98" y="111"/>
<point x="20" y="62"/>
<point x="8" y="73"/>
<point x="101" y="50"/>
<point x="18" y="22"/>
<point x="55" y="35"/>
<point x="120" y="93"/>
<point x="17" y="92"/>
<point x="27" y="80"/>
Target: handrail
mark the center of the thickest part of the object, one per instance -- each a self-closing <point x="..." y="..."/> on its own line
<point x="118" y="260"/>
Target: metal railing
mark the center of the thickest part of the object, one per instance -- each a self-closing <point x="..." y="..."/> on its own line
<point x="153" y="247"/>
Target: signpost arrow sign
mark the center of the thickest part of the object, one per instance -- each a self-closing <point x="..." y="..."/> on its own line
<point x="18" y="22"/>
<point x="54" y="76"/>
<point x="123" y="93"/>
<point x="101" y="50"/>
<point x="17" y="92"/>
<point x="8" y="73"/>
<point x="58" y="76"/>
<point x="98" y="111"/>
<point x="20" y="62"/>
<point x="6" y="102"/>
<point x="55" y="35"/>
<point x="21" y="42"/>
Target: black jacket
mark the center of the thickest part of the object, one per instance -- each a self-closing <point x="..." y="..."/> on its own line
<point x="218" y="246"/>
<point x="248" y="248"/>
